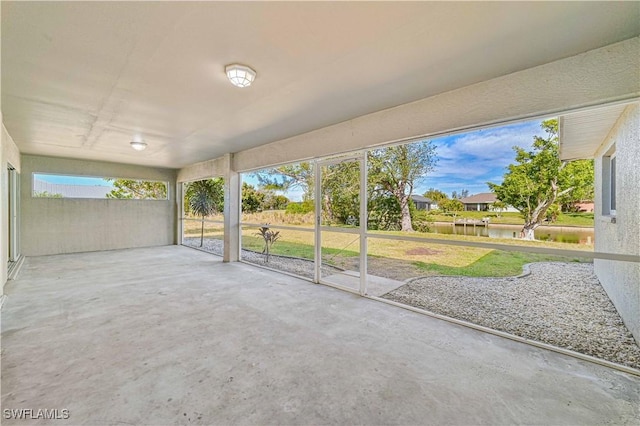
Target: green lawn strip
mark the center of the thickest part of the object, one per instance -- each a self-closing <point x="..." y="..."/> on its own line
<point x="513" y="218"/>
<point x="285" y="248"/>
<point x="574" y="219"/>
<point x="507" y="241"/>
<point x="497" y="263"/>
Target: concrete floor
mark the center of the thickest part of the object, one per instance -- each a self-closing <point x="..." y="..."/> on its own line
<point x="171" y="335"/>
<point x="376" y="286"/>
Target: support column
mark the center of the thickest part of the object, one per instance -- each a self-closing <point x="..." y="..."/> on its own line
<point x="179" y="193"/>
<point x="232" y="205"/>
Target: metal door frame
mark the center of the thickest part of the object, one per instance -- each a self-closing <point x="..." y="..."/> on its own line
<point x="360" y="158"/>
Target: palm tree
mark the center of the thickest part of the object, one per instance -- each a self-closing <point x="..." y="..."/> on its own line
<point x="205" y="197"/>
<point x="270" y="237"/>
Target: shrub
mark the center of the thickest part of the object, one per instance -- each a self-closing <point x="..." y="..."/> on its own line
<point x="421" y="220"/>
<point x="302" y="207"/>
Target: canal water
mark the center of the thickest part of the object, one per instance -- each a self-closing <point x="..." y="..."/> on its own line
<point x="562" y="234"/>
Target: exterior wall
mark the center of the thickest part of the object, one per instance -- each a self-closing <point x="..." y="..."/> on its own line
<point x="64" y="225"/>
<point x="421" y="205"/>
<point x="621" y="280"/>
<point x="9" y="154"/>
<point x="593" y="78"/>
<point x="476" y="207"/>
<point x="585" y="206"/>
<point x="600" y="76"/>
<point x="204" y="170"/>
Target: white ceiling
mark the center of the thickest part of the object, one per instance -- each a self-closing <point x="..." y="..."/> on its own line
<point x="81" y="79"/>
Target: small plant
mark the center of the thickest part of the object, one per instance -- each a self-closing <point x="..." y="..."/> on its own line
<point x="269" y="237"/>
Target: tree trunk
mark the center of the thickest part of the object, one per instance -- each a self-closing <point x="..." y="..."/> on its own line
<point x="528" y="231"/>
<point x="202" y="232"/>
<point x="406" y="214"/>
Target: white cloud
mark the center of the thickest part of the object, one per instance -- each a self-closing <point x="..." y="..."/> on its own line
<point x="468" y="161"/>
<point x="490" y="144"/>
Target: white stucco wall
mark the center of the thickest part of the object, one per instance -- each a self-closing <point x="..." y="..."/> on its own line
<point x="52" y="225"/>
<point x="588" y="79"/>
<point x="621" y="280"/>
<point x="592" y="78"/>
<point x="204" y="170"/>
<point x="9" y="154"/>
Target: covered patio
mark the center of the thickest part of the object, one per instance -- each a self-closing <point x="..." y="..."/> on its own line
<point x="107" y="318"/>
<point x="171" y="335"/>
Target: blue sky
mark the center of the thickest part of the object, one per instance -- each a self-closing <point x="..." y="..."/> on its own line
<point x="74" y="180"/>
<point x="470" y="160"/>
<point x="467" y="160"/>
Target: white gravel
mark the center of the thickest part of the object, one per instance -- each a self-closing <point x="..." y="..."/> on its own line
<point x="562" y="304"/>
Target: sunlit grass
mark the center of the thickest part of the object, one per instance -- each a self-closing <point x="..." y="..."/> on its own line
<point x="423" y="257"/>
<point x="514" y="218"/>
<point x="496" y="263"/>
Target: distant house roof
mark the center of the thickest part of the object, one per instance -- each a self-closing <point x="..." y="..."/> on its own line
<point x="421" y="199"/>
<point x="483" y="197"/>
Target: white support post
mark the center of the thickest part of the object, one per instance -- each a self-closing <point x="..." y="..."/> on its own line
<point x="232" y="202"/>
<point x="363" y="224"/>
<point x="318" y="219"/>
<point x="179" y="193"/>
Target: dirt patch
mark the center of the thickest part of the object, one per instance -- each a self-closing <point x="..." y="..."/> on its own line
<point x="422" y="251"/>
<point x="394" y="269"/>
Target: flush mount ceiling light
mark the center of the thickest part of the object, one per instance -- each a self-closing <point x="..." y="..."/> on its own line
<point x="138" y="145"/>
<point x="240" y="75"/>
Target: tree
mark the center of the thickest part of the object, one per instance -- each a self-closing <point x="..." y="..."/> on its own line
<point x="436" y="195"/>
<point x="460" y="195"/>
<point x="393" y="171"/>
<point x="252" y="199"/>
<point x="273" y="201"/>
<point x="138" y="189"/>
<point x="205" y="197"/>
<point x="340" y="193"/>
<point x="302" y="207"/>
<point x="539" y="179"/>
<point x="553" y="212"/>
<point x="339" y="186"/>
<point x="383" y="213"/>
<point x="283" y="178"/>
<point x="452" y="206"/>
<point x="498" y="207"/>
<point x="397" y="169"/>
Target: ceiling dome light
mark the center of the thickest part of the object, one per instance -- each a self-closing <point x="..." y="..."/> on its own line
<point x="240" y="75"/>
<point x="138" y="145"/>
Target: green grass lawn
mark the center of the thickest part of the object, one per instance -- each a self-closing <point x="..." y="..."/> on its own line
<point x="413" y="257"/>
<point x="496" y="263"/>
<point x="510" y="218"/>
<point x="293" y="249"/>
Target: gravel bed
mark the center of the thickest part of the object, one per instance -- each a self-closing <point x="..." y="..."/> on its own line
<point x="562" y="304"/>
<point x="296" y="266"/>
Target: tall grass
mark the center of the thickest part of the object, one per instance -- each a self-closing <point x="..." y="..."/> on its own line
<point x="279" y="217"/>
